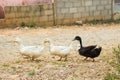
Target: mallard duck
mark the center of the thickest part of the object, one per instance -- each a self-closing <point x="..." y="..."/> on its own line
<point x="91" y="51"/>
<point x="61" y="51"/>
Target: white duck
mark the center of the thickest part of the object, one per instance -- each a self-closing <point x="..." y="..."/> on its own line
<point x="31" y="52"/>
<point x="61" y="51"/>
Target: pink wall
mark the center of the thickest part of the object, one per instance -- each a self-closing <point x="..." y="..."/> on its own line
<point x="4" y="3"/>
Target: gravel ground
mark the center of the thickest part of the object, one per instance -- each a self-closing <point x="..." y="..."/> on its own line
<point x="14" y="67"/>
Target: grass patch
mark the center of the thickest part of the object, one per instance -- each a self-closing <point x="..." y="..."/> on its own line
<point x="116" y="64"/>
<point x="32" y="25"/>
<point x="95" y="22"/>
<point x="5" y="65"/>
<point x="32" y="73"/>
<point x="23" y="24"/>
<point x="60" y="63"/>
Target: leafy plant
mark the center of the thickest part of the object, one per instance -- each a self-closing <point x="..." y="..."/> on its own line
<point x="32" y="25"/>
<point x="23" y="24"/>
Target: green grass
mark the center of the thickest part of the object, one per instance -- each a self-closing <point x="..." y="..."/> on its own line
<point x="23" y="24"/>
<point x="95" y="22"/>
<point x="32" y="73"/>
<point x="116" y="64"/>
<point x="5" y="65"/>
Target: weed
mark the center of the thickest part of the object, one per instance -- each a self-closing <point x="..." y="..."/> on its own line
<point x="5" y="65"/>
<point x="18" y="61"/>
<point x="116" y="65"/>
<point x="13" y="67"/>
<point x="23" y="24"/>
<point x="111" y="76"/>
<point x="40" y="65"/>
<point x="32" y="73"/>
<point x="32" y="25"/>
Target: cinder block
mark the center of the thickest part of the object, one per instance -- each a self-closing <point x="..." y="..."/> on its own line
<point x="7" y="9"/>
<point x="64" y="10"/>
<point x="50" y="18"/>
<point x="50" y="6"/>
<point x="49" y="23"/>
<point x="44" y="6"/>
<point x="85" y="14"/>
<point x="76" y="15"/>
<point x="68" y="15"/>
<point x="88" y="2"/>
<point x="66" y="21"/>
<point x="105" y="2"/>
<point x="107" y="17"/>
<point x="96" y="2"/>
<point x="91" y="13"/>
<point x="87" y="8"/>
<point x="69" y="5"/>
<point x="100" y="7"/>
<point x="108" y="7"/>
<point x="60" y="16"/>
<point x="104" y="12"/>
<point x="96" y="13"/>
<point x="8" y="21"/>
<point x="35" y="19"/>
<point x="23" y="8"/>
<point x="58" y="11"/>
<point x="92" y="8"/>
<point x="11" y="15"/>
<point x="48" y="12"/>
<point x="73" y="10"/>
<point x="60" y="4"/>
<point x="15" y="9"/>
<point x="81" y="9"/>
<point x="37" y="13"/>
<point x="44" y="18"/>
<point x="76" y="4"/>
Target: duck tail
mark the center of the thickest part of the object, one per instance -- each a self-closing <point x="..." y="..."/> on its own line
<point x="99" y="49"/>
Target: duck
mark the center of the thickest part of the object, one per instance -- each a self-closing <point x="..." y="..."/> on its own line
<point x="91" y="51"/>
<point x="61" y="51"/>
<point x="31" y="52"/>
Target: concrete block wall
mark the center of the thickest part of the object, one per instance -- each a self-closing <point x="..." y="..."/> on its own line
<point x="68" y="11"/>
<point x="39" y="14"/>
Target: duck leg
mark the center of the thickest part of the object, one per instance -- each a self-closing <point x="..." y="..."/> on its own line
<point x="93" y="59"/>
<point x="60" y="59"/>
<point x="86" y="58"/>
<point x="32" y="58"/>
<point x="65" y="58"/>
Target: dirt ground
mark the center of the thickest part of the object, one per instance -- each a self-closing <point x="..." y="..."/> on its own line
<point x="14" y="67"/>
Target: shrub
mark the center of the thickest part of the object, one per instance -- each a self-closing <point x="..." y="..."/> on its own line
<point x="23" y="24"/>
<point x="32" y="25"/>
<point x="116" y="65"/>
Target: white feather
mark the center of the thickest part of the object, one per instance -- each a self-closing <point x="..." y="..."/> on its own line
<point x="29" y="51"/>
<point x="61" y="51"/>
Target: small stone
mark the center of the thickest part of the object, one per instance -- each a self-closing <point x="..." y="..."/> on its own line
<point x="79" y="23"/>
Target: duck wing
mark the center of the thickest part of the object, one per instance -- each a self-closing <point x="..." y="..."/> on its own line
<point x="95" y="52"/>
<point x="89" y="48"/>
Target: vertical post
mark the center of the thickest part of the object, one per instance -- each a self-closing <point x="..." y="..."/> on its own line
<point x="54" y="11"/>
<point x="112" y="9"/>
